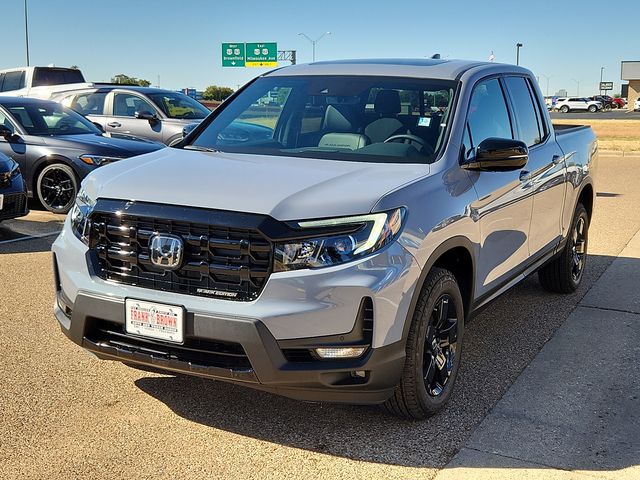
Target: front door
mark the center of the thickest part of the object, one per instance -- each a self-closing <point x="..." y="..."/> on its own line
<point x="505" y="201"/>
<point x="125" y="108"/>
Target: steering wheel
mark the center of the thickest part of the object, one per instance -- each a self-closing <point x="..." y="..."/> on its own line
<point x="408" y="138"/>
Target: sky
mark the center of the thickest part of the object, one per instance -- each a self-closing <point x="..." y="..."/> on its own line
<point x="179" y="41"/>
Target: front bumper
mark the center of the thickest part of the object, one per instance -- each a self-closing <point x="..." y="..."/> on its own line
<point x="238" y="350"/>
<point x="251" y="342"/>
<point x="15" y="199"/>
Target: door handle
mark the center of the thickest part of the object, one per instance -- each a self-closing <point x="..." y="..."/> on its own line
<point x="114" y="124"/>
<point x="525" y="176"/>
<point x="556" y="159"/>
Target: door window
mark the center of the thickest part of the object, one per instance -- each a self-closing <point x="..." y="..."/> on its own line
<point x="127" y="105"/>
<point x="5" y="121"/>
<point x="91" y="103"/>
<point x="524" y="110"/>
<point x="488" y="115"/>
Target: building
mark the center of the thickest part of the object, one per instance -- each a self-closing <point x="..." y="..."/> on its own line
<point x="561" y="93"/>
<point x="630" y="71"/>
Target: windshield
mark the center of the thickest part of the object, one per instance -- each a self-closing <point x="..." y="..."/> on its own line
<point x="51" y="119"/>
<point x="355" y="118"/>
<point x="179" y="105"/>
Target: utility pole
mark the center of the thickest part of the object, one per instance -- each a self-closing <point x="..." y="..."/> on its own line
<point x="26" y="30"/>
<point x="313" y="42"/>
<point x="600" y="86"/>
<point x="518" y="46"/>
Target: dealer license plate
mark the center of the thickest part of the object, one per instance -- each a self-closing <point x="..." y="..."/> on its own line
<point x="155" y="320"/>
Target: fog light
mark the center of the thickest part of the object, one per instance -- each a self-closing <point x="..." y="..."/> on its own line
<point x="340" y="352"/>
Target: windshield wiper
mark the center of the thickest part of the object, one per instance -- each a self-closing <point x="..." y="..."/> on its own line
<point x="200" y="149"/>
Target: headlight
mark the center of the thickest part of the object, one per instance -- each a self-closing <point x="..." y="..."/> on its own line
<point x="15" y="170"/>
<point x="368" y="234"/>
<point x="98" y="159"/>
<point x="80" y="223"/>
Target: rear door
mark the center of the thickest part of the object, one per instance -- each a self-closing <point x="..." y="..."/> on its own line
<point x="545" y="172"/>
<point x="505" y="202"/>
<point x="91" y="104"/>
<point x="125" y="106"/>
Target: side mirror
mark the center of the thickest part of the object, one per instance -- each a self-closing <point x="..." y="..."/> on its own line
<point x="146" y="115"/>
<point x="6" y="133"/>
<point x="498" y="155"/>
<point x="98" y="126"/>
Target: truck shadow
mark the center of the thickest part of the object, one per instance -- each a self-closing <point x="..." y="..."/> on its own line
<point x="499" y="344"/>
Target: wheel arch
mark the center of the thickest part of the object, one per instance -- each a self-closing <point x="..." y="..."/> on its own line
<point x="586" y="197"/>
<point x="44" y="162"/>
<point x="456" y="255"/>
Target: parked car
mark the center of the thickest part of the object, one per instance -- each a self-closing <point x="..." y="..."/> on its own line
<point x="340" y="258"/>
<point x="146" y="112"/>
<point x="618" y="103"/>
<point x="39" y="82"/>
<point x="56" y="148"/>
<point x="566" y="105"/>
<point x="636" y="105"/>
<point x="605" y="100"/>
<point x="13" y="190"/>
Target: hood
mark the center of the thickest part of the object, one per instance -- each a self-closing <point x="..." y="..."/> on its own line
<point x="104" y="144"/>
<point x="286" y="188"/>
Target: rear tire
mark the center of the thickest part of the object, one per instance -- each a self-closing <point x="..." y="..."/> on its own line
<point x="433" y="351"/>
<point x="564" y="274"/>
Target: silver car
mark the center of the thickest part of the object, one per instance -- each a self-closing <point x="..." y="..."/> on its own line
<point x="146" y="112"/>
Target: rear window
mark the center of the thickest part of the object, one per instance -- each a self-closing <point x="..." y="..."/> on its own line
<point x="12" y="81"/>
<point x="56" y="76"/>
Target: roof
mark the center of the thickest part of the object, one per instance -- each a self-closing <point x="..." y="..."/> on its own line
<point x="17" y="101"/>
<point x="400" y="67"/>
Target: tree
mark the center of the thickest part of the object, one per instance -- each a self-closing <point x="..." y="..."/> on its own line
<point x="75" y="67"/>
<point x="123" y="79"/>
<point x="214" y="92"/>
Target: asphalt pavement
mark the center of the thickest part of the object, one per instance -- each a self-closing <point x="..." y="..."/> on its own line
<point x="611" y="115"/>
<point x="64" y="414"/>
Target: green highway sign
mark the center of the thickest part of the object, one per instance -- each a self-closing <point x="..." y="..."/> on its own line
<point x="261" y="54"/>
<point x="233" y="54"/>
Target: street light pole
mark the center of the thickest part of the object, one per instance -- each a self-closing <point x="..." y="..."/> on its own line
<point x="518" y="46"/>
<point x="600" y="86"/>
<point x="547" y="78"/>
<point x="26" y="30"/>
<point x="578" y="84"/>
<point x="313" y="42"/>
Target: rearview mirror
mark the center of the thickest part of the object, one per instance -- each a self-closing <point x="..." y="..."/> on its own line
<point x="498" y="154"/>
<point x="5" y="132"/>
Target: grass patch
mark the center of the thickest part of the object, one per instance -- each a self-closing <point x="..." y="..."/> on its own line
<point x="612" y="134"/>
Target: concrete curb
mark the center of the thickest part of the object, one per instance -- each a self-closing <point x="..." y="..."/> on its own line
<point x="621" y="153"/>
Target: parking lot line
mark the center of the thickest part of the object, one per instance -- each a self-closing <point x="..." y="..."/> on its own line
<point x="30" y="237"/>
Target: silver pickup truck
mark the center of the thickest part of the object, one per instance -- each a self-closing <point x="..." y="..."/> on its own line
<point x="330" y="244"/>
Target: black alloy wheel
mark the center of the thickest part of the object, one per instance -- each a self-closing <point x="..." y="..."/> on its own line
<point x="579" y="249"/>
<point x="57" y="188"/>
<point x="440" y="348"/>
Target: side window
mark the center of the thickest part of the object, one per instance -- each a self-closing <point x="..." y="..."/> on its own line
<point x="13" y="81"/>
<point x="524" y="110"/>
<point x="1" y="82"/>
<point x="5" y="121"/>
<point x="488" y="115"/>
<point x="91" y="103"/>
<point x="266" y="111"/>
<point x="126" y="105"/>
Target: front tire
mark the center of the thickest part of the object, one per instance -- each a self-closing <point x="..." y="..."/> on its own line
<point x="57" y="187"/>
<point x="434" y="347"/>
<point x="592" y="108"/>
<point x="564" y="274"/>
<point x="564" y="109"/>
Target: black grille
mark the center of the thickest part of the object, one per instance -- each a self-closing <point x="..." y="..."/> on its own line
<point x="14" y="204"/>
<point x="220" y="260"/>
<point x="204" y="353"/>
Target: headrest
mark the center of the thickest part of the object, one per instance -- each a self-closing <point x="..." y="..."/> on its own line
<point x="387" y="102"/>
<point x="336" y="121"/>
<point x="343" y="141"/>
